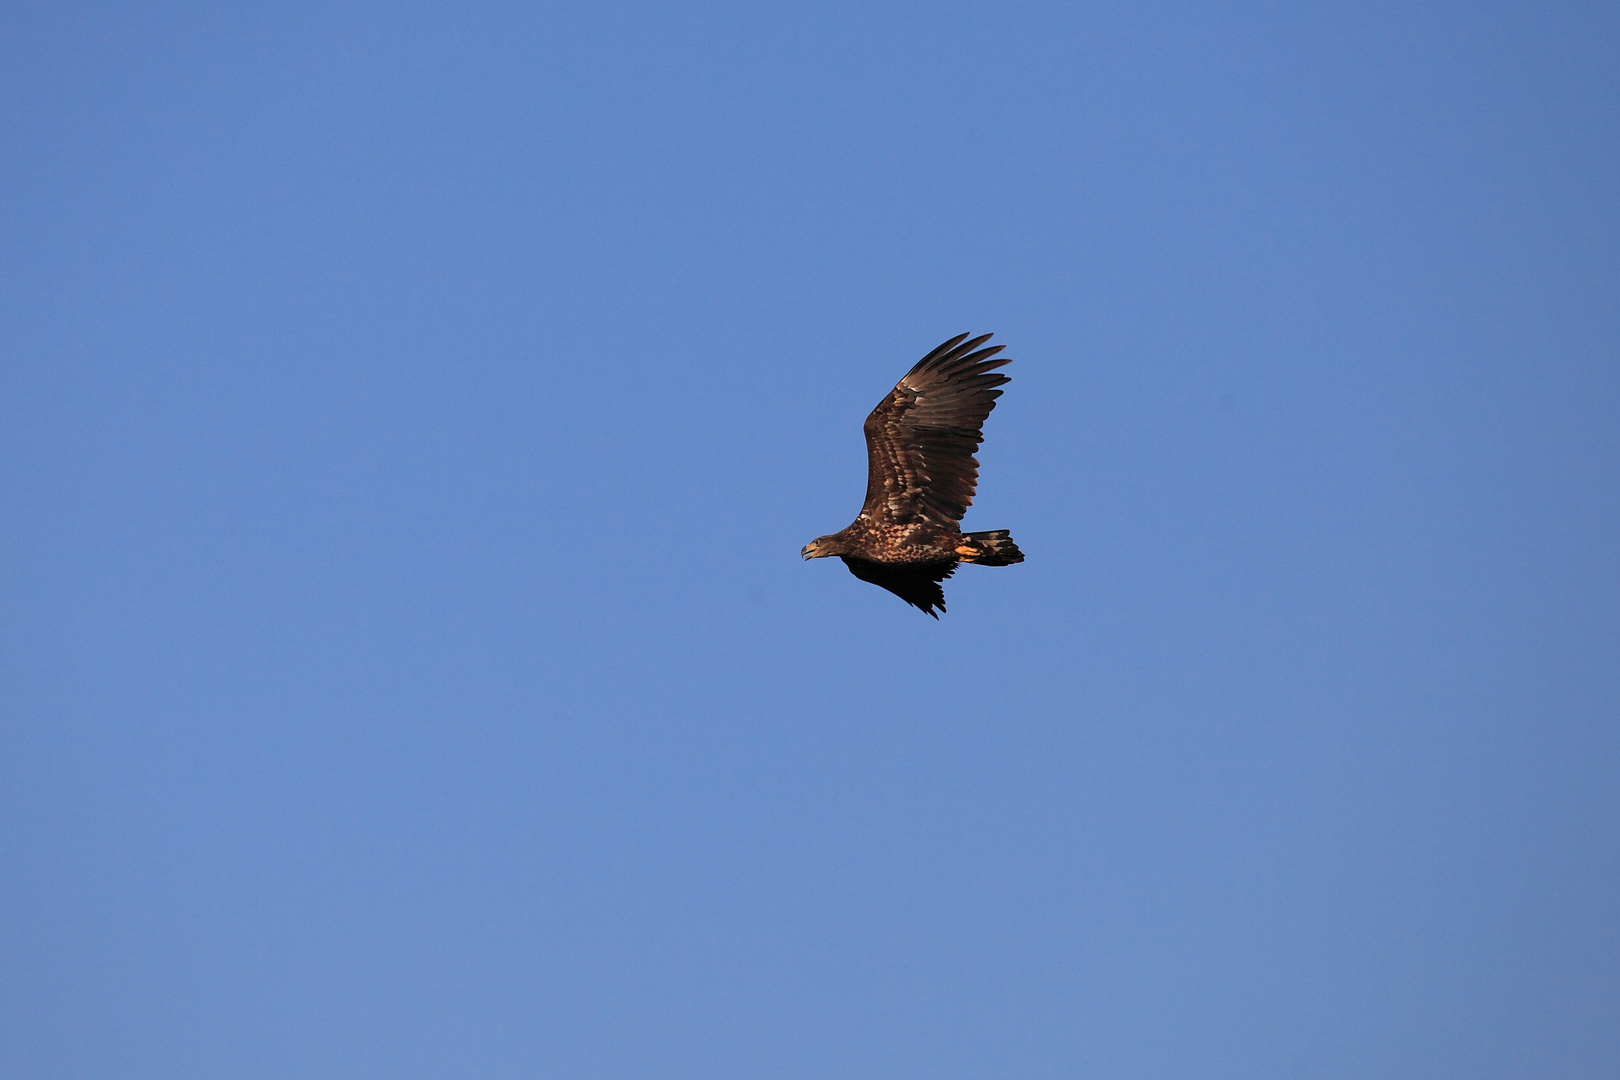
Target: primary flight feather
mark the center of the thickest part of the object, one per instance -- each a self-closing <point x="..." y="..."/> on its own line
<point x="921" y="477"/>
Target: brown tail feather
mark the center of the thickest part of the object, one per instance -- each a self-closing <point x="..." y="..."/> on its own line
<point x="995" y="548"/>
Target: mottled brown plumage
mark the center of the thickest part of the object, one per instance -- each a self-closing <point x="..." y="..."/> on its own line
<point x="921" y="477"/>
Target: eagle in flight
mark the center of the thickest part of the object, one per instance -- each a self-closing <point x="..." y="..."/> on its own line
<point x="921" y="476"/>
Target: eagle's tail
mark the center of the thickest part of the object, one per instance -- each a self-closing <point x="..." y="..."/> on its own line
<point x="994" y="548"/>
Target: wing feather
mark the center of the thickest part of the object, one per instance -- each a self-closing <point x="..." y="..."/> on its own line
<point x="918" y="584"/>
<point x="921" y="438"/>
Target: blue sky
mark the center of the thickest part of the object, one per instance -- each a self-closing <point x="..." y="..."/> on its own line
<point x="410" y="417"/>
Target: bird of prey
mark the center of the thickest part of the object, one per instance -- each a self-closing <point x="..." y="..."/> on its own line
<point x="921" y="476"/>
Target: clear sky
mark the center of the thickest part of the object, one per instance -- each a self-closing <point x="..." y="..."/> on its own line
<point x="410" y="416"/>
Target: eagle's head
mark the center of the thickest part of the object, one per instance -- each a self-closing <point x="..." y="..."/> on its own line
<point x="823" y="546"/>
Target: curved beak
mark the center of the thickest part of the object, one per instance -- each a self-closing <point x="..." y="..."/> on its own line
<point x="809" y="550"/>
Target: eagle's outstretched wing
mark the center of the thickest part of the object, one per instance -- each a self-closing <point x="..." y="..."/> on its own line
<point x="921" y="438"/>
<point x="918" y="584"/>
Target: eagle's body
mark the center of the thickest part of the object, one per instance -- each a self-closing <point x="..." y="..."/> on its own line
<point x="921" y="477"/>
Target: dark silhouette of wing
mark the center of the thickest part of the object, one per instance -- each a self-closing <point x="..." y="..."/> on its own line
<point x="921" y="438"/>
<point x="918" y="584"/>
